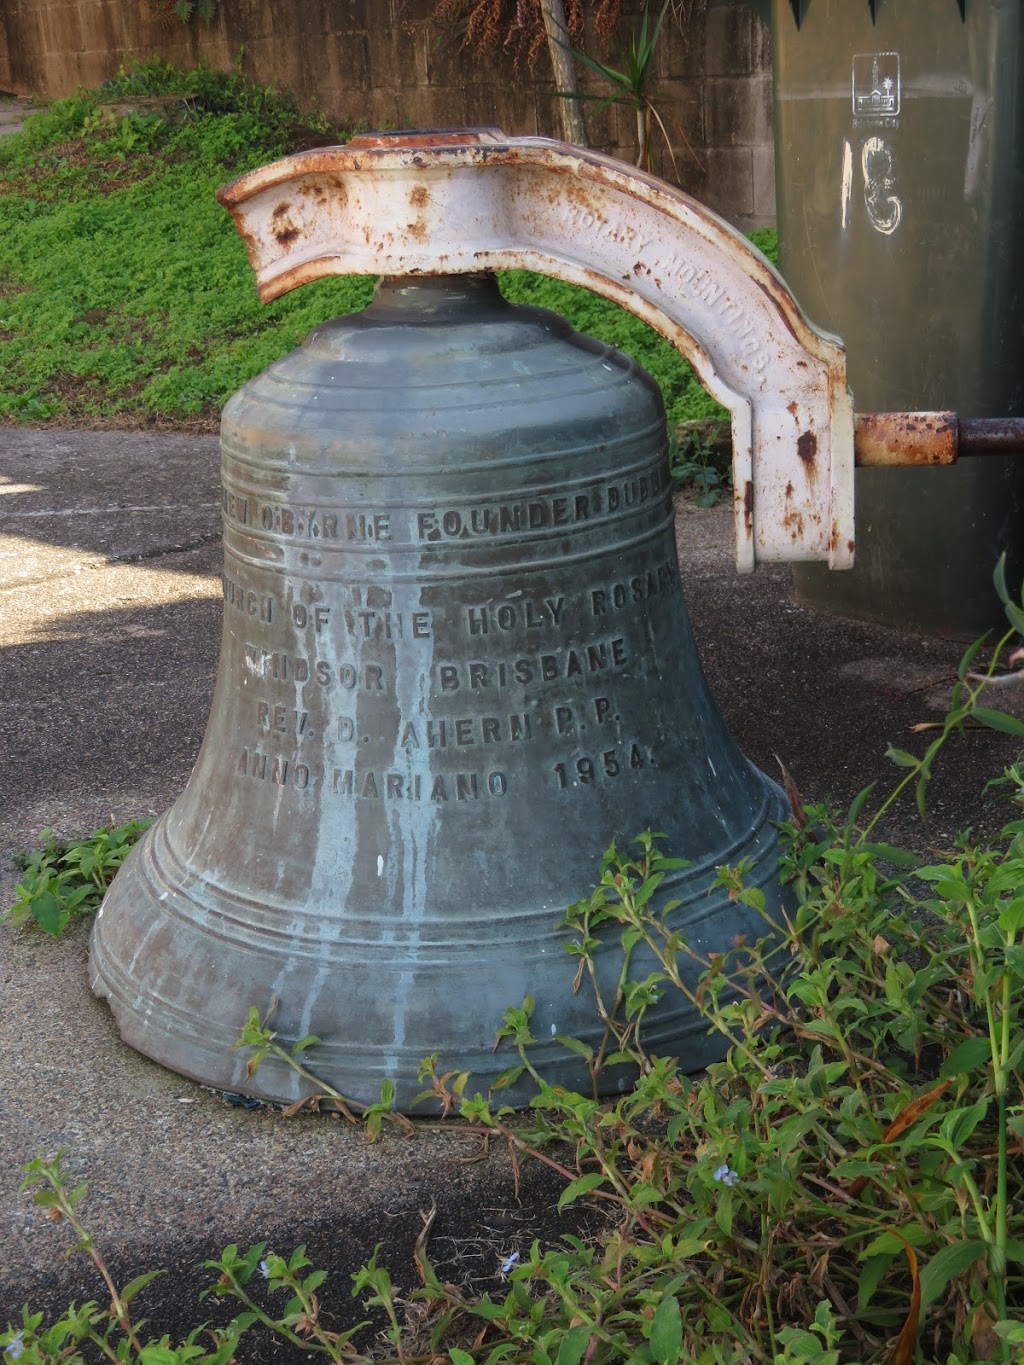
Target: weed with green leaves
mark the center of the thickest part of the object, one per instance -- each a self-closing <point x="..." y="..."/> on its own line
<point x="63" y="879"/>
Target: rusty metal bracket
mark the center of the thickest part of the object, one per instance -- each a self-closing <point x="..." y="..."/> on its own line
<point x="900" y="439"/>
<point x="450" y="203"/>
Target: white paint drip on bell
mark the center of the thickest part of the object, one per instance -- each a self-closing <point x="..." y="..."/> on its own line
<point x="380" y="865"/>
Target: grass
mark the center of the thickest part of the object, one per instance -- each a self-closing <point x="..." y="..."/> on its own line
<point x="125" y="291"/>
<point x="126" y="297"/>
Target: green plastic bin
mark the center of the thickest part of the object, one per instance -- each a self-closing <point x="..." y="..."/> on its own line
<point x="900" y="182"/>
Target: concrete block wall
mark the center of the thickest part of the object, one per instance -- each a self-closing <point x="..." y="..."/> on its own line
<point x="386" y="63"/>
<point x="738" y="113"/>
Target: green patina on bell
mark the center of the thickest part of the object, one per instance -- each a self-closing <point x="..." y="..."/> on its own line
<point x="456" y="665"/>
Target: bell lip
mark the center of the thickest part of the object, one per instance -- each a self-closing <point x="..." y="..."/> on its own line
<point x="277" y="1085"/>
<point x="202" y="1047"/>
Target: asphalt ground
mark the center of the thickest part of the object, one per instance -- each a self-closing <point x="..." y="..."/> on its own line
<point x="109" y="632"/>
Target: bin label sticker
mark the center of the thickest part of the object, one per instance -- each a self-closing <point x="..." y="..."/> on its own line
<point x="876" y="89"/>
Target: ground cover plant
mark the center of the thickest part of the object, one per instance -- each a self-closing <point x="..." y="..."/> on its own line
<point x="125" y="293"/>
<point x="122" y="292"/>
<point x="845" y="1186"/>
<point x="63" y="879"/>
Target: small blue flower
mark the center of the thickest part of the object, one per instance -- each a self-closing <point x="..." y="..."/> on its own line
<point x="507" y="1264"/>
<point x="726" y="1175"/>
<point x="265" y="1270"/>
<point x="16" y="1346"/>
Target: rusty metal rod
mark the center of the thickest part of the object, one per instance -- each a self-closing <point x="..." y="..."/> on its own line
<point x="902" y="439"/>
<point x="991" y="436"/>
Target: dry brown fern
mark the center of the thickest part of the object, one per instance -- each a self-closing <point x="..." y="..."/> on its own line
<point x="517" y="26"/>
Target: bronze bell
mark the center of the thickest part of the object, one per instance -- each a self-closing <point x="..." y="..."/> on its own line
<point x="456" y="663"/>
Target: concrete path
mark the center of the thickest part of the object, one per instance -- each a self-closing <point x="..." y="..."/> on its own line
<point x="13" y="114"/>
<point x="109" y="630"/>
